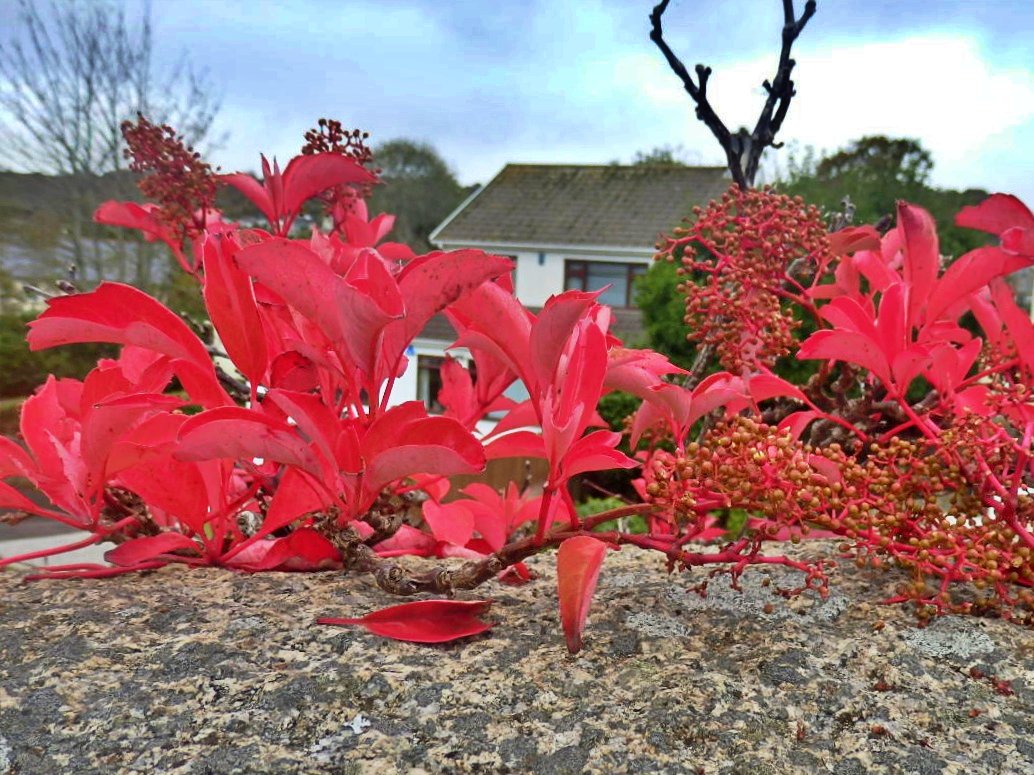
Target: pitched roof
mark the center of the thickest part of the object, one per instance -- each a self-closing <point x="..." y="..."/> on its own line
<point x="572" y="204"/>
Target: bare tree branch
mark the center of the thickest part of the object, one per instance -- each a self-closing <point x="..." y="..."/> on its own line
<point x="743" y="149"/>
<point x="70" y="74"/>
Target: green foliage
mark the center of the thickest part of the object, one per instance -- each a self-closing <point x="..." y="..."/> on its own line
<point x="734" y="521"/>
<point x="10" y="415"/>
<point x="615" y="407"/>
<point x="661" y="156"/>
<point x="875" y="172"/>
<point x="664" y="308"/>
<point x="591" y="506"/>
<point x="23" y="371"/>
<point x="418" y="187"/>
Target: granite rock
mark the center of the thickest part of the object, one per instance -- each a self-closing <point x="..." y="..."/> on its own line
<point x="208" y="671"/>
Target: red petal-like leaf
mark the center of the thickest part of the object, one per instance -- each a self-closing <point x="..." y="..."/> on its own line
<point x="131" y="215"/>
<point x="970" y="273"/>
<point x="553" y="329"/>
<point x="147" y="548"/>
<point x="854" y="239"/>
<point x="922" y="259"/>
<point x="996" y="214"/>
<point x="430" y="283"/>
<point x="404" y="441"/>
<point x="1019" y="241"/>
<point x="452" y="522"/>
<point x="302" y="550"/>
<point x="296" y="495"/>
<point x="516" y="444"/>
<point x="765" y="386"/>
<point x="307" y="176"/>
<point x="797" y="422"/>
<point x="230" y="299"/>
<point x="349" y="317"/>
<point x="578" y="564"/>
<point x="850" y="347"/>
<point x="121" y="314"/>
<point x="237" y="433"/>
<point x="254" y="191"/>
<point x="424" y="621"/>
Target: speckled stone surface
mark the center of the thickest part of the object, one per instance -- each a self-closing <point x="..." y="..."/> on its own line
<point x="211" y="672"/>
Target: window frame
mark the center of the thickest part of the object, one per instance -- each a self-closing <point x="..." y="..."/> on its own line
<point x="577" y="271"/>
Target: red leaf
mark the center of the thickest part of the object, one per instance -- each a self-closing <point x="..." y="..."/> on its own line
<point x="430" y="283"/>
<point x="853" y="239"/>
<point x="295" y="496"/>
<point x="452" y="522"/>
<point x="237" y="433"/>
<point x="1019" y="241"/>
<point x="517" y="575"/>
<point x="349" y="316"/>
<point x="306" y="176"/>
<point x="147" y="548"/>
<point x="425" y="621"/>
<point x="302" y="550"/>
<point x="970" y="273"/>
<point x="553" y="329"/>
<point x="797" y="422"/>
<point x="492" y="320"/>
<point x="230" y="299"/>
<point x="996" y="214"/>
<point x="850" y="347"/>
<point x="578" y="564"/>
<point x="121" y="314"/>
<point x="516" y="444"/>
<point x="131" y="215"/>
<point x="255" y="191"/>
<point x="404" y="441"/>
<point x="407" y="540"/>
<point x="595" y="452"/>
<point x="922" y="259"/>
<point x="765" y="386"/>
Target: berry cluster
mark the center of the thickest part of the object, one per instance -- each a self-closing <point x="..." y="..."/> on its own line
<point x="734" y="256"/>
<point x="174" y="175"/>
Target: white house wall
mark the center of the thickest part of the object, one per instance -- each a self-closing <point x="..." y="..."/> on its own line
<point x="540" y="274"/>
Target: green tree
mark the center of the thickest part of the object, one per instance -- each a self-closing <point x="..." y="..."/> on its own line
<point x="417" y="187"/>
<point x="70" y="74"/>
<point x="661" y="156"/>
<point x="663" y="309"/>
<point x="874" y="172"/>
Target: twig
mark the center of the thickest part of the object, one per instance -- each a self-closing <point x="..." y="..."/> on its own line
<point x="743" y="149"/>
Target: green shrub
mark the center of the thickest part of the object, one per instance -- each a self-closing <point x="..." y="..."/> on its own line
<point x="22" y="371"/>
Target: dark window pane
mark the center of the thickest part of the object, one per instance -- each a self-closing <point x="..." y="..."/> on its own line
<point x="614" y="275"/>
<point x="429" y="381"/>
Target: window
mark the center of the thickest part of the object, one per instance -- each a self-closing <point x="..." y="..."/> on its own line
<point x="593" y="275"/>
<point x="429" y="381"/>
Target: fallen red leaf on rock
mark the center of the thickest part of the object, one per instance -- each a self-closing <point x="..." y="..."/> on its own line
<point x="424" y="621"/>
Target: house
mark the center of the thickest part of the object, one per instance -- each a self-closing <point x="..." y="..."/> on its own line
<point x="567" y="226"/>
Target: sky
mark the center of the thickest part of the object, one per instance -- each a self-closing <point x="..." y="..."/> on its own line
<point x="579" y="81"/>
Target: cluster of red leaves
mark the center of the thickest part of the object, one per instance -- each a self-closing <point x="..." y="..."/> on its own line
<point x="307" y="463"/>
<point x="939" y="484"/>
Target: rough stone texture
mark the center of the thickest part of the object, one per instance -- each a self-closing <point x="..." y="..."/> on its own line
<point x="211" y="672"/>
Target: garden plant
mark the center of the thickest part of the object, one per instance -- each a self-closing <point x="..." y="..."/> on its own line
<point x="911" y="444"/>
